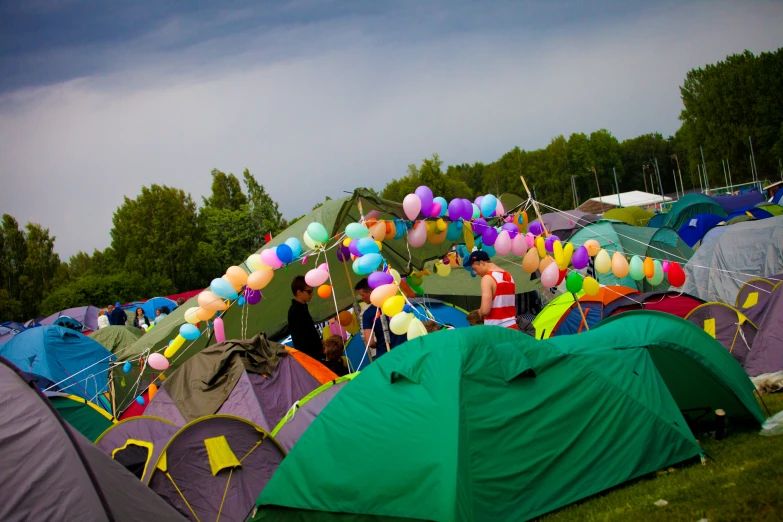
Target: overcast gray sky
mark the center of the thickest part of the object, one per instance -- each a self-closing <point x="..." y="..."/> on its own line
<point x="317" y="97"/>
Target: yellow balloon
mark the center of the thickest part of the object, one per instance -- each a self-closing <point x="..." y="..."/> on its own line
<point x="430" y="227"/>
<point x="393" y="305"/>
<point x="441" y="225"/>
<point x="541" y="246"/>
<point x="382" y="293"/>
<point x="191" y="314"/>
<point x="557" y="250"/>
<point x="619" y="265"/>
<point x="347" y="242"/>
<point x="442" y="270"/>
<point x="174" y="346"/>
<point x="568" y="253"/>
<point x="590" y="286"/>
<point x="380" y="245"/>
<point x="352" y="328"/>
<point x="395" y="274"/>
<point x="326" y="332"/>
<point x="254" y="263"/>
<point x="530" y="261"/>
<point x="416" y="329"/>
<point x="400" y="322"/>
<point x="603" y="263"/>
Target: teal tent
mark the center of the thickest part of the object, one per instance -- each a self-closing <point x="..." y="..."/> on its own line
<point x="687" y="207"/>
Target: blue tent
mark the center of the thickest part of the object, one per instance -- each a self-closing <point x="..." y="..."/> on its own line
<point x="150" y="306"/>
<point x="694" y="230"/>
<point x="656" y="221"/>
<point x="76" y="363"/>
<point x="755" y="212"/>
<point x="732" y="203"/>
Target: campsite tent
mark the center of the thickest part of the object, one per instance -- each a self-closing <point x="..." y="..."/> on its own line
<point x="83" y="416"/>
<point x="766" y="355"/>
<point x="725" y="324"/>
<point x="215" y="467"/>
<point x="732" y="203"/>
<point x="660" y="244"/>
<point x="150" y="306"/>
<point x="635" y="216"/>
<point x="51" y="472"/>
<point x="137" y="443"/>
<point x="754" y="295"/>
<point x="9" y="329"/>
<point x="87" y="316"/>
<point x="750" y="211"/>
<point x="564" y="223"/>
<point x="729" y="256"/>
<point x="669" y="302"/>
<point x="687" y="207"/>
<point x="772" y="208"/>
<point x="468" y="424"/>
<point x="547" y="319"/>
<point x="73" y="362"/>
<point x="116" y="338"/>
<point x="593" y="307"/>
<point x="256" y="379"/>
<point x="695" y="228"/>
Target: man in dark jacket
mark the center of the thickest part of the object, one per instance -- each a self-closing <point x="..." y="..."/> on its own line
<point x="304" y="334"/>
<point x="117" y="316"/>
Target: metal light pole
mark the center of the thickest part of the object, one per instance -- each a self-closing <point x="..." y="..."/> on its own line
<point x="704" y="166"/>
<point x="644" y="177"/>
<point x="731" y="184"/>
<point x="701" y="186"/>
<point x="573" y="191"/>
<point x="680" y="173"/>
<point x="753" y="157"/>
<point x="725" y="176"/>
<point x="598" y="186"/>
<point x="619" y="203"/>
<point x="674" y="175"/>
<point x="660" y="183"/>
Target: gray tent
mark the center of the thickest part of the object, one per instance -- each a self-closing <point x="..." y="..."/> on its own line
<point x="730" y="256"/>
<point x="754" y="295"/>
<point x="136" y="443"/>
<point x="215" y="467"/>
<point x="51" y="472"/>
<point x="766" y="355"/>
<point x="725" y="324"/>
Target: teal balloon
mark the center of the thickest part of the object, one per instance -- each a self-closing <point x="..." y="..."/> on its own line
<point x="356" y="231"/>
<point x="366" y="246"/>
<point x="454" y="231"/>
<point x="355" y="266"/>
<point x="444" y="205"/>
<point x="140" y="400"/>
<point x="476" y="211"/>
<point x="295" y="245"/>
<point x="399" y="229"/>
<point x="657" y="277"/>
<point x="241" y="301"/>
<point x="574" y="282"/>
<point x="368" y="263"/>
<point x="488" y="205"/>
<point x="490" y="250"/>
<point x="223" y="288"/>
<point x="317" y="232"/>
<point x="636" y="268"/>
<point x="126" y="368"/>
<point x="189" y="332"/>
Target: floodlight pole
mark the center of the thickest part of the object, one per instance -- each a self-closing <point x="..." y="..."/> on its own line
<point x="674" y="175"/>
<point x="725" y="175"/>
<point x="660" y="184"/>
<point x="644" y="177"/>
<point x="753" y="160"/>
<point x="617" y="187"/>
<point x="704" y="166"/>
<point x="680" y="173"/>
<point x="598" y="187"/>
<point x="731" y="183"/>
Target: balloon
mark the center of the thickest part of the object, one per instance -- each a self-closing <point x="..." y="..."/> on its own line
<point x="425" y="197"/>
<point x="393" y="305"/>
<point x="343" y="253"/>
<point x="488" y="205"/>
<point x="649" y="267"/>
<point x="284" y="254"/>
<point x="175" y="345"/>
<point x="549" y="243"/>
<point x="411" y="205"/>
<point x="317" y="232"/>
<point x="126" y="368"/>
<point x="442" y="269"/>
<point x="636" y="268"/>
<point x="489" y="236"/>
<point x="382" y="293"/>
<point x="395" y="274"/>
<point x="377" y="279"/>
<point x="189" y="331"/>
<point x="220" y="331"/>
<point x="530" y="261"/>
<point x="338" y="330"/>
<point x="252" y="296"/>
<point x="519" y="245"/>
<point x="310" y="242"/>
<point x="208" y="300"/>
<point x="561" y="275"/>
<point x="241" y="301"/>
<point x="557" y="253"/>
<point x="152" y="391"/>
<point x="140" y="400"/>
<point x="269" y="258"/>
<point x="259" y="279"/>
<point x="324" y="291"/>
<point x="316" y="277"/>
<point x="676" y="275"/>
<point x="536" y="228"/>
<point x="435" y="210"/>
<point x="467" y="210"/>
<point x="574" y="282"/>
<point x="441" y="225"/>
<point x="204" y="314"/>
<point x="503" y="243"/>
<point x="603" y="263"/>
<point x="437" y="238"/>
<point x="590" y="286"/>
<point x="544" y="263"/>
<point x="417" y="236"/>
<point x="356" y="231"/>
<point x="490" y="250"/>
<point x="619" y="265"/>
<point x="369" y="263"/>
<point x="665" y="266"/>
<point x="580" y="258"/>
<point x="367" y="245"/>
<point x="399" y="323"/>
<point x="415" y="279"/>
<point x="378" y="231"/>
<point x="499" y="210"/>
<point x="416" y="329"/>
<point x="593" y="247"/>
<point x="550" y="275"/>
<point x="540" y="246"/>
<point x="478" y="201"/>
<point x="444" y="205"/>
<point x="453" y="233"/>
<point x="353" y="247"/>
<point x="345" y="317"/>
<point x="236" y="276"/>
<point x="223" y="289"/>
<point x="657" y="277"/>
<point x="295" y="245"/>
<point x="512" y="230"/>
<point x="530" y="239"/>
<point x="479" y="226"/>
<point x="254" y="263"/>
<point x="190" y="315"/>
<point x="568" y="253"/>
<point x="455" y="209"/>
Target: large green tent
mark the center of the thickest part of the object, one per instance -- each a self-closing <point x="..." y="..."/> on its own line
<point x="270" y="315"/>
<point x="658" y="243"/>
<point x="488" y="424"/>
<point x="116" y="338"/>
<point x="686" y="208"/>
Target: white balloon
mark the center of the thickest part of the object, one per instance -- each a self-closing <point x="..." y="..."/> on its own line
<point x="400" y="322"/>
<point x="416" y="329"/>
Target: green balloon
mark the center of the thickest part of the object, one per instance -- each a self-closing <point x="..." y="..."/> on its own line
<point x="317" y="232"/>
<point x="419" y="290"/>
<point x="574" y="282"/>
<point x="415" y="281"/>
<point x="657" y="277"/>
<point x="636" y="268"/>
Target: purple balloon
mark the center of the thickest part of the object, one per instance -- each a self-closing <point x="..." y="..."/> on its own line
<point x="455" y="209"/>
<point x="549" y="243"/>
<point x="343" y="253"/>
<point x="467" y="210"/>
<point x="252" y="296"/>
<point x="479" y="226"/>
<point x="581" y="258"/>
<point x="512" y="230"/>
<point x="426" y="197"/>
<point x="535" y="228"/>
<point x="377" y="279"/>
<point x="352" y="248"/>
<point x="489" y="236"/>
<point x="477" y="201"/>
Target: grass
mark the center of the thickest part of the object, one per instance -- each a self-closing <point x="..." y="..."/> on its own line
<point x="742" y="481"/>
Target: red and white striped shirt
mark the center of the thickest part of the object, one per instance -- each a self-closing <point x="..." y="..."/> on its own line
<point x="504" y="311"/>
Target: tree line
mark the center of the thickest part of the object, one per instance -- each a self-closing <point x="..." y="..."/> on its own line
<point x="163" y="242"/>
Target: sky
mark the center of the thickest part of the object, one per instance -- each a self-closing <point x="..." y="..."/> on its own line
<point x="316" y="98"/>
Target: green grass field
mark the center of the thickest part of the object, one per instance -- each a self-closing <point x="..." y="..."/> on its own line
<point x="743" y="481"/>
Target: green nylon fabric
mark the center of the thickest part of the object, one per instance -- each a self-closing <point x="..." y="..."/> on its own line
<point x="658" y="243"/>
<point x="547" y="319"/>
<point x="483" y="423"/>
<point x="310" y="395"/>
<point x="635" y="216"/>
<point x="117" y="338"/>
<point x="81" y="417"/>
<point x="689" y="206"/>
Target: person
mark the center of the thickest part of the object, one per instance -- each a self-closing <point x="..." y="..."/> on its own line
<point x="432" y="326"/>
<point x="304" y="334"/>
<point x="372" y="325"/>
<point x="180" y="302"/>
<point x="498" y="292"/>
<point x="160" y="313"/>
<point x="103" y="319"/>
<point x="141" y="320"/>
<point x="118" y="316"/>
<point x="474" y="318"/>
<point x="333" y="350"/>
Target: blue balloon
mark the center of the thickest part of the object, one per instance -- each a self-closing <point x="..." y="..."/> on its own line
<point x="444" y="205"/>
<point x="126" y="368"/>
<point x="295" y="245"/>
<point x="399" y="229"/>
<point x="241" y="301"/>
<point x="367" y="245"/>
<point x="285" y="254"/>
<point x="189" y="332"/>
<point x="223" y="288"/>
<point x="488" y="205"/>
<point x="490" y="250"/>
<point x="140" y="400"/>
<point x="368" y="263"/>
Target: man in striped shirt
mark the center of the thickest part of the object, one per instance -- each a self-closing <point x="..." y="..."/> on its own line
<point x="498" y="292"/>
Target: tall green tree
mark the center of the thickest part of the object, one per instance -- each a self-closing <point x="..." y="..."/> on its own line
<point x="430" y="174"/>
<point x="264" y="213"/>
<point x="226" y="192"/>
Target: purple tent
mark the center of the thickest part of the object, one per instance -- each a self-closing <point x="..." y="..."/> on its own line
<point x="725" y="324"/>
<point x="766" y="355"/>
<point x="87" y="315"/>
<point x="732" y="203"/>
<point x="754" y="295"/>
<point x="563" y="224"/>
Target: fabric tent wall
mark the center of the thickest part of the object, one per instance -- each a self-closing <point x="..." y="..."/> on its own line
<point x="754" y="295"/>
<point x="731" y="203"/>
<point x="634" y="216"/>
<point x="593" y="310"/>
<point x="730" y="256"/>
<point x="729" y="327"/>
<point x="766" y="355"/>
<point x="547" y="319"/>
<point x="687" y="207"/>
<point x="668" y="302"/>
<point x="84" y="416"/>
<point x="694" y="230"/>
<point x="87" y="315"/>
<point x="116" y="338"/>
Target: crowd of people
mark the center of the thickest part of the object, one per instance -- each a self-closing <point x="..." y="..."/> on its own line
<point x="114" y="315"/>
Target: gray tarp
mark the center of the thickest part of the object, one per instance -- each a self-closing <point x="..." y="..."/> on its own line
<point x="729" y="256"/>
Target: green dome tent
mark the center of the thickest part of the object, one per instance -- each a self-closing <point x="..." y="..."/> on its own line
<point x="687" y="207"/>
<point x="116" y="338"/>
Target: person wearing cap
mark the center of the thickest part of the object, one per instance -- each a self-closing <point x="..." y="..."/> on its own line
<point x="498" y="291"/>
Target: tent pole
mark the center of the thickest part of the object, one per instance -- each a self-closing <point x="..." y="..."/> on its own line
<point x="535" y="205"/>
<point x="582" y="312"/>
<point x="111" y="385"/>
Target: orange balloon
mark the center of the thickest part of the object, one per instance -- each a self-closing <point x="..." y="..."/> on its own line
<point x="391" y="229"/>
<point x="151" y="391"/>
<point x="236" y="288"/>
<point x="378" y="231"/>
<point x="236" y="276"/>
<point x="530" y="261"/>
<point x="345" y="318"/>
<point x="593" y="247"/>
<point x="437" y="238"/>
<point x="649" y="267"/>
<point x="204" y="315"/>
<point x="259" y="279"/>
<point x="620" y="266"/>
<point x="324" y="291"/>
<point x="209" y="301"/>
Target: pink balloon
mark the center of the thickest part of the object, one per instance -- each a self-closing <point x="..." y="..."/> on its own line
<point x="436" y="208"/>
<point x="157" y="361"/>
<point x="316" y="277"/>
<point x="503" y="243"/>
<point x="519" y="245"/>
<point x="411" y="205"/>
<point x="550" y="276"/>
<point x="499" y="210"/>
<point x="220" y="332"/>
<point x="417" y="236"/>
<point x="324" y="267"/>
<point x="269" y="258"/>
<point x="337" y="329"/>
<point x="530" y="239"/>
